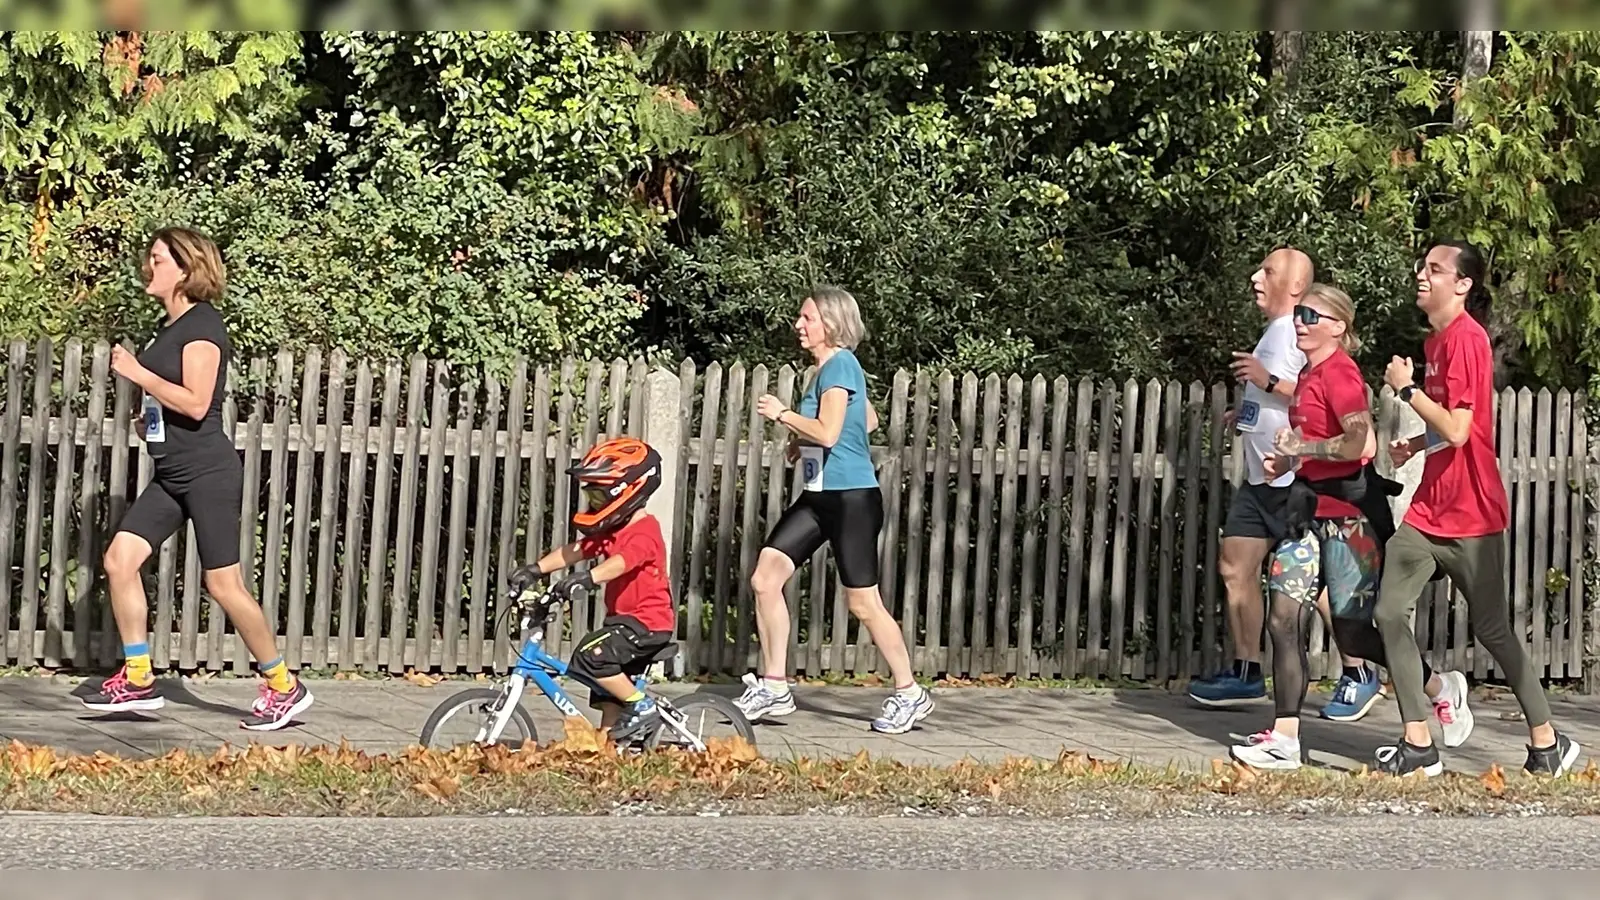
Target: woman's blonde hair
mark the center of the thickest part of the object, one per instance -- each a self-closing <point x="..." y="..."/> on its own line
<point x="840" y="314"/>
<point x="204" y="275"/>
<point x="1343" y="309"/>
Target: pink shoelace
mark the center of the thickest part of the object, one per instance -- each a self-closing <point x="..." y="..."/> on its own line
<point x="270" y="704"/>
<point x="1444" y="710"/>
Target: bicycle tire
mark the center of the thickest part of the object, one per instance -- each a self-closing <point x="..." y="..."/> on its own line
<point x="686" y="704"/>
<point x="519" y="715"/>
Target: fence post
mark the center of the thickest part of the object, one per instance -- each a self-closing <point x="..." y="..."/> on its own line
<point x="663" y="431"/>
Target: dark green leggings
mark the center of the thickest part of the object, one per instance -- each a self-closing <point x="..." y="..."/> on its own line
<point x="1477" y="568"/>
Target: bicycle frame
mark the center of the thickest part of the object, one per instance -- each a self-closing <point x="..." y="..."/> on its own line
<point x="535" y="665"/>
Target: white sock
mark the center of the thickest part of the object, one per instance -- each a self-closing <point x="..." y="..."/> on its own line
<point x="915" y="690"/>
<point x="779" y="686"/>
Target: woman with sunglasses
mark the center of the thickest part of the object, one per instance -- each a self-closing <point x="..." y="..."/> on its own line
<point x="1334" y="544"/>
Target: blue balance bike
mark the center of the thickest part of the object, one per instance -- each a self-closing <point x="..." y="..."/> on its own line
<point x="495" y="711"/>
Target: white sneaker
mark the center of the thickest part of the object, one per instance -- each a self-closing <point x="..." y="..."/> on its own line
<point x="1455" y="718"/>
<point x="761" y="701"/>
<point x="1268" y="750"/>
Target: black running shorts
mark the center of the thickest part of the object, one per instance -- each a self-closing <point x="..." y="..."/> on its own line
<point x="849" y="521"/>
<point x="212" y="501"/>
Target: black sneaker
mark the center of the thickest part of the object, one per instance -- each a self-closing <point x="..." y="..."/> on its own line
<point x="1402" y="758"/>
<point x="1556" y="759"/>
<point x="640" y="719"/>
<point x="118" y="694"/>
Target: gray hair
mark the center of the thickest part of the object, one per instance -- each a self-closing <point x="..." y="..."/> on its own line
<point x="840" y="314"/>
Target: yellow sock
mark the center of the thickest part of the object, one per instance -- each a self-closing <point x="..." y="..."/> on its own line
<point x="278" y="676"/>
<point x="635" y="697"/>
<point x="138" y="661"/>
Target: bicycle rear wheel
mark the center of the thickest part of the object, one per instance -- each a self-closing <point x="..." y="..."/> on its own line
<point x="703" y="711"/>
<point x="472" y="710"/>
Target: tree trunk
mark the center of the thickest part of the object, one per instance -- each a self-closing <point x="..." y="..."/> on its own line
<point x="1477" y="47"/>
<point x="1288" y="41"/>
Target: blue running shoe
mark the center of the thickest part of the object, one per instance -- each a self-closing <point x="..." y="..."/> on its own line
<point x="1227" y="689"/>
<point x="1352" y="699"/>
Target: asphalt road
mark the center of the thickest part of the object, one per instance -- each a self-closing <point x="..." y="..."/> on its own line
<point x="814" y="842"/>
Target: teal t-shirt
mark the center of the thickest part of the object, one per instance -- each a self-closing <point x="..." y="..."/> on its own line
<point x="847" y="465"/>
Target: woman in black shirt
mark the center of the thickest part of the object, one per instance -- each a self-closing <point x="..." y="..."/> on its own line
<point x="182" y="374"/>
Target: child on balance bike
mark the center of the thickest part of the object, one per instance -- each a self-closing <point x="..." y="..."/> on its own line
<point x="616" y="478"/>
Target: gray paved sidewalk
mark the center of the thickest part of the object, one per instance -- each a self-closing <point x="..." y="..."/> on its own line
<point x="1148" y="726"/>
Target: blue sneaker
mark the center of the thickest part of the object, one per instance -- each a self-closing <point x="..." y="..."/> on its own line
<point x="1227" y="689"/>
<point x="1352" y="699"/>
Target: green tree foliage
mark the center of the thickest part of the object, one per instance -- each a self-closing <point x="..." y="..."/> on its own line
<point x="1086" y="203"/>
<point x="1518" y="178"/>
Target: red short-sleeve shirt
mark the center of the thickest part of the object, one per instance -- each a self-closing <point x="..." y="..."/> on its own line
<point x="1461" y="494"/>
<point x="642" y="590"/>
<point x="1324" y="394"/>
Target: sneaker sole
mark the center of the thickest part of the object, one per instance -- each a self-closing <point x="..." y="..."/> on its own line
<point x="300" y="706"/>
<point x="771" y="712"/>
<point x="1276" y="765"/>
<point x="1356" y="716"/>
<point x="1227" y="703"/>
<point x="1464" y="720"/>
<point x="154" y="703"/>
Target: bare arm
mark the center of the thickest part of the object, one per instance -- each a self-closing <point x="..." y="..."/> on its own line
<point x="1349" y="446"/>
<point x="192" y="398"/>
<point x="1453" y="425"/>
<point x="560" y="558"/>
<point x="824" y="429"/>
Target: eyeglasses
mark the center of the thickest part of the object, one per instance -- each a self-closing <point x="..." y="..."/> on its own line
<point x="1307" y="316"/>
<point x="1419" y="265"/>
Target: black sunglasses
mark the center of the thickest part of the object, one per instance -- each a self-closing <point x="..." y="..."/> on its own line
<point x="1307" y="316"/>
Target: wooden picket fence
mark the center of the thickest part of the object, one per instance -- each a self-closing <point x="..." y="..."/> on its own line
<point x="1059" y="528"/>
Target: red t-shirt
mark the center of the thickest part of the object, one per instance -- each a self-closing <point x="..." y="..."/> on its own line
<point x="1325" y="393"/>
<point x="642" y="590"/>
<point x="1461" y="494"/>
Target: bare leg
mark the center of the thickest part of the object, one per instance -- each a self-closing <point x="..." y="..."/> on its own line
<point x="773" y="571"/>
<point x="1240" y="567"/>
<point x="866" y="604"/>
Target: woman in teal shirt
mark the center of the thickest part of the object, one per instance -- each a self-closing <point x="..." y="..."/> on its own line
<point x="840" y="504"/>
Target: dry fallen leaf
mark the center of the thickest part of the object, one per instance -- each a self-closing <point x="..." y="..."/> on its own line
<point x="421" y="679"/>
<point x="995" y="790"/>
<point x="1494" y="780"/>
<point x="447" y="785"/>
<point x="581" y="736"/>
<point x="427" y="789"/>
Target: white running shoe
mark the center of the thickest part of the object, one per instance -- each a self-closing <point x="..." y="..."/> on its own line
<point x="1450" y="708"/>
<point x="1268" y="750"/>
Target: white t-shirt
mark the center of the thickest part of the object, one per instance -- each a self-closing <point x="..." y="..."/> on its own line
<point x="1263" y="415"/>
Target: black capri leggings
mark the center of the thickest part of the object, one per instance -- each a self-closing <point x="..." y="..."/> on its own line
<point x="849" y="521"/>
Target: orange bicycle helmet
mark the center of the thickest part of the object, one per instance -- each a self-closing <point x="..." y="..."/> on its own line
<point x="615" y="478"/>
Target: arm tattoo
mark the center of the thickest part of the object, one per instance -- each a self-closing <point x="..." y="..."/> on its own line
<point x="1356" y="425"/>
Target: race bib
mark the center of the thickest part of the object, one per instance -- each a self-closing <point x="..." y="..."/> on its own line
<point x="1249" y="416"/>
<point x="811" y="467"/>
<point x="155" y="422"/>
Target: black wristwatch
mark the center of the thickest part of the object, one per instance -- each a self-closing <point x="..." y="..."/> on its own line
<point x="1272" y="383"/>
<point x="1406" y="392"/>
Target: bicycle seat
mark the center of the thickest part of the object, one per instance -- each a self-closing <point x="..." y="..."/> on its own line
<point x="665" y="653"/>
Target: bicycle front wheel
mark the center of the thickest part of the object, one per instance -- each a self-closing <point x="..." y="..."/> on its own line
<point x="706" y="716"/>
<point x="462" y="716"/>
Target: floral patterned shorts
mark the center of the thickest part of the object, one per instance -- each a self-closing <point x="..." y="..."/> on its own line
<point x="1340" y="555"/>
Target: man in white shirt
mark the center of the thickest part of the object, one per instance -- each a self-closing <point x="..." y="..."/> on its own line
<point x="1268" y="374"/>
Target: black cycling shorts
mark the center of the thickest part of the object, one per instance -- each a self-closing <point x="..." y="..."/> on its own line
<point x="212" y="501"/>
<point x="622" y="645"/>
<point x="849" y="521"/>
